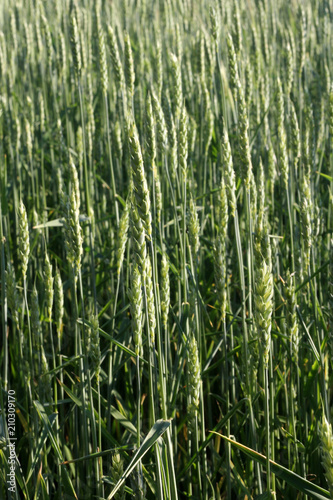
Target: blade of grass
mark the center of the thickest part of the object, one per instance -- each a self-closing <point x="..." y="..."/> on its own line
<point x="286" y="475"/>
<point x="155" y="432"/>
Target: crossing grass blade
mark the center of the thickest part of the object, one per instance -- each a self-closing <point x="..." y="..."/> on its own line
<point x="298" y="482"/>
<point x="154" y="434"/>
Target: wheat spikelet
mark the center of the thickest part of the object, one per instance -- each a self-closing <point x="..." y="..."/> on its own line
<point x="139" y="240"/>
<point x="150" y="129"/>
<point x="48" y="286"/>
<point x="46" y="379"/>
<point x="331" y="115"/>
<point x="264" y="33"/>
<point x="220" y="274"/>
<point x="41" y="112"/>
<point x="256" y="58"/>
<point x="73" y="230"/>
<point x="237" y="28"/>
<point x="233" y="68"/>
<point x="31" y="117"/>
<point x="228" y="172"/>
<point x="117" y="470"/>
<point x="150" y="302"/>
<point x="136" y="304"/>
<point x="94" y="347"/>
<point x="102" y="62"/>
<point x="248" y="83"/>
<point x="325" y="431"/>
<point x="306" y="229"/>
<point x="28" y="40"/>
<point x="75" y="182"/>
<point x="58" y="301"/>
<point x="301" y="38"/>
<point x="295" y="136"/>
<point x="117" y="66"/>
<point x="162" y="132"/>
<point x="289" y="69"/>
<point x="23" y="239"/>
<point x="129" y="66"/>
<point x="183" y="143"/>
<point x="48" y="39"/>
<point x="214" y="23"/>
<point x="177" y="86"/>
<point x="141" y="192"/>
<point x="291" y="316"/>
<point x="122" y="237"/>
<point x="61" y="55"/>
<point x="209" y="117"/>
<point x="194" y="228"/>
<point x="165" y="290"/>
<point x="194" y="377"/>
<point x="220" y="269"/>
<point x="13" y="30"/>
<point x="223" y="210"/>
<point x="263" y="302"/>
<point x="282" y="135"/>
<point x="17" y="134"/>
<point x="261" y="198"/>
<point x="243" y="141"/>
<point x="76" y="46"/>
<point x="327" y="79"/>
<point x="35" y="320"/>
<point x="12" y="294"/>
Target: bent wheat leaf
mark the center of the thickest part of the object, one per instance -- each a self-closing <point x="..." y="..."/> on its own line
<point x="286" y="475"/>
<point x="155" y="432"/>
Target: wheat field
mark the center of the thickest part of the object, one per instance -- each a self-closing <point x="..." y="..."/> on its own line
<point x="166" y="184"/>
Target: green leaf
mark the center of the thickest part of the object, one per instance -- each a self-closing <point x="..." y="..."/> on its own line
<point x="123" y="420"/>
<point x="94" y="455"/>
<point x="40" y="444"/>
<point x="328" y="177"/>
<point x="58" y="222"/>
<point x="155" y="432"/>
<point x="290" y="437"/>
<point x="263" y="496"/>
<point x="318" y="271"/>
<point x="220" y="424"/>
<point x="71" y="394"/>
<point x="286" y="475"/>
<point x="67" y="483"/>
<point x="113" y="340"/>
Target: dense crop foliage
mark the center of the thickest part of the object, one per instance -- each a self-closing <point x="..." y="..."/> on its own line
<point x="166" y="183"/>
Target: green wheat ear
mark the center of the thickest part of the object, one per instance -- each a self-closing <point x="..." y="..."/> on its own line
<point x="136" y="304"/>
<point x="117" y="470"/>
<point x="12" y="294"/>
<point x="102" y="62"/>
<point x="141" y="191"/>
<point x="94" y="346"/>
<point x="114" y="51"/>
<point x="194" y="377"/>
<point x="165" y="290"/>
<point x="263" y="302"/>
<point x="122" y="237"/>
<point x="229" y="173"/>
<point x="23" y="239"/>
<point x="58" y="302"/>
<point x="76" y="46"/>
<point x="72" y="227"/>
<point x="49" y="292"/>
<point x="325" y="431"/>
<point x="194" y="228"/>
<point x="129" y="67"/>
